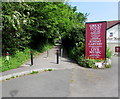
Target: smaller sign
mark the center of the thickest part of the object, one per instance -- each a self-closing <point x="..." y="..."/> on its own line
<point x="31" y="52"/>
<point x="111" y="34"/>
<point x="117" y="49"/>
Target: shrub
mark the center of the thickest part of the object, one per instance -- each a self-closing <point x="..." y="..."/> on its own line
<point x="108" y="66"/>
<point x="77" y="53"/>
<point x="108" y="53"/>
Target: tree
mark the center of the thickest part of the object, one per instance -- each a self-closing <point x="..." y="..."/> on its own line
<point x="33" y="24"/>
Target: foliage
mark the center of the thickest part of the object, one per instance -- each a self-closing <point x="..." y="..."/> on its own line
<point x="82" y="61"/>
<point x="31" y="24"/>
<point x="108" y="66"/>
<point x="16" y="22"/>
<point x="108" y="53"/>
<point x="34" y="25"/>
<point x="91" y="63"/>
<point x="19" y="58"/>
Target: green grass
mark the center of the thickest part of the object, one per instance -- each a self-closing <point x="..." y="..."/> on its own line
<point x="108" y="53"/>
<point x="108" y="66"/>
<point x="19" y="58"/>
<point x="34" y="72"/>
<point x="8" y="79"/>
<point x="0" y="64"/>
<point x="12" y="77"/>
<point x="50" y="70"/>
<point x="71" y="81"/>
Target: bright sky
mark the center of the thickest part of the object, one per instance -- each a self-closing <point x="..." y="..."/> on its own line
<point x="98" y="11"/>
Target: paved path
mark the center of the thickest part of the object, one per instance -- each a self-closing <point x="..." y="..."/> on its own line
<point x="70" y="81"/>
<point x="42" y="61"/>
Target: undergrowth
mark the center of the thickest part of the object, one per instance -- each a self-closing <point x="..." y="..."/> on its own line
<point x="19" y="58"/>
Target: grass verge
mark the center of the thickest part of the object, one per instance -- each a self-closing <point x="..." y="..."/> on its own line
<point x="19" y="58"/>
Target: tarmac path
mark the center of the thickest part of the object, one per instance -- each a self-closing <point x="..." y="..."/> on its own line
<point x="95" y="82"/>
<point x="70" y="80"/>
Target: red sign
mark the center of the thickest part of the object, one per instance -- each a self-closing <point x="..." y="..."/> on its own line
<point x="31" y="52"/>
<point x="96" y="40"/>
<point x="7" y="54"/>
<point x="117" y="49"/>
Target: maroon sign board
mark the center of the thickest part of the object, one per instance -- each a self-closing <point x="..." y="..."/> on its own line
<point x="96" y="40"/>
<point x="117" y="49"/>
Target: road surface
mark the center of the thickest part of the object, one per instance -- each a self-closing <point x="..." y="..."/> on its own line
<point x="72" y="82"/>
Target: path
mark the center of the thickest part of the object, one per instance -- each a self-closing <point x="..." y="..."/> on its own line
<point x="70" y="81"/>
<point x="42" y="61"/>
<point x="95" y="83"/>
<point x="75" y="82"/>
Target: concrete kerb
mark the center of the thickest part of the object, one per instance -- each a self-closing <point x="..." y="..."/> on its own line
<point x="15" y="75"/>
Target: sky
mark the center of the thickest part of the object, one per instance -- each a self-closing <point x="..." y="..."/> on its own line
<point x="98" y="11"/>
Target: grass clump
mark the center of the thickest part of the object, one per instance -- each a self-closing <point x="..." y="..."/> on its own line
<point x="8" y="79"/>
<point x="34" y="72"/>
<point x="108" y="66"/>
<point x="50" y="69"/>
<point x="12" y="77"/>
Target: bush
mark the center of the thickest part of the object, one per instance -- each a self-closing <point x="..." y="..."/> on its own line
<point x="75" y="54"/>
<point x="108" y="53"/>
<point x="82" y="61"/>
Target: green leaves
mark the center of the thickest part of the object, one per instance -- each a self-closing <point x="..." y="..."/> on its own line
<point x="34" y="23"/>
<point x="15" y="23"/>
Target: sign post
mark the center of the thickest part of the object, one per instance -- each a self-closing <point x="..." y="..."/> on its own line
<point x="96" y="40"/>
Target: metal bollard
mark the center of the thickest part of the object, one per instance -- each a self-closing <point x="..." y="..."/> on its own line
<point x="61" y="50"/>
<point x="31" y="52"/>
<point x="47" y="53"/>
<point x="57" y="53"/>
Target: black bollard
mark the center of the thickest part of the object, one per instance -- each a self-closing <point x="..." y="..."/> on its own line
<point x="31" y="57"/>
<point x="57" y="53"/>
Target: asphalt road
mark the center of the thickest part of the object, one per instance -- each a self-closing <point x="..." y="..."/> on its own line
<point x="76" y="82"/>
<point x="47" y="84"/>
<point x="95" y="83"/>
